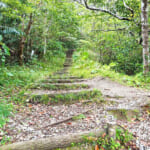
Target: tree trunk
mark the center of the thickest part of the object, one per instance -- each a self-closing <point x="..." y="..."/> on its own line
<point x="22" y="43"/>
<point x="144" y="23"/>
<point x="45" y="35"/>
<point x="45" y="44"/>
<point x="55" y="142"/>
<point x="23" y="39"/>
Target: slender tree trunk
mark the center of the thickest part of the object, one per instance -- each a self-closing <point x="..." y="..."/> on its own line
<point x="23" y="39"/>
<point x="144" y="22"/>
<point x="45" y="32"/>
<point x="45" y="45"/>
<point x="21" y="46"/>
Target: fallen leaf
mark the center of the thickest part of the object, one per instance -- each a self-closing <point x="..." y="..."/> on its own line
<point x="41" y="113"/>
<point x="96" y="147"/>
<point x="31" y="123"/>
<point x="30" y="106"/>
<point x="103" y="135"/>
<point x="69" y="123"/>
<point x="102" y="148"/>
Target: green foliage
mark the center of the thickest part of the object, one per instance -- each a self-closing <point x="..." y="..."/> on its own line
<point x="5" y="140"/>
<point x="123" y="136"/>
<point x="105" y="142"/>
<point x="22" y="76"/>
<point x="4" y="51"/>
<point x="109" y="143"/>
<point x="81" y="116"/>
<point x="84" y="66"/>
<point x="54" y="28"/>
<point x="5" y="111"/>
<point x="128" y="58"/>
<point x="121" y="49"/>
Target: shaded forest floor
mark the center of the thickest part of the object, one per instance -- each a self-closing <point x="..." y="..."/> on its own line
<point x="65" y="104"/>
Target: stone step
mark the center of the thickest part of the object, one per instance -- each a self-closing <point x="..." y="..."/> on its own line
<point x="63" y="80"/>
<point x="62" y="97"/>
<point x="60" y="86"/>
<point x="68" y="60"/>
<point x="61" y="72"/>
<point x="65" y="77"/>
<point x="67" y="65"/>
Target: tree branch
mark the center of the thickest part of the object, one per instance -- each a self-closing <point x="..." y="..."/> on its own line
<point x="127" y="7"/>
<point x="105" y="10"/>
<point x="29" y="25"/>
<point x="110" y="30"/>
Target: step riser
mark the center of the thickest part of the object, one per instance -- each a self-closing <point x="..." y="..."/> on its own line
<point x="60" y="87"/>
<point x="64" y="81"/>
<point x="65" y="77"/>
<point x="65" y="98"/>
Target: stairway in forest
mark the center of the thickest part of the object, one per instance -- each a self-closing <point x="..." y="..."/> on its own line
<point x="61" y="87"/>
<point x="64" y="104"/>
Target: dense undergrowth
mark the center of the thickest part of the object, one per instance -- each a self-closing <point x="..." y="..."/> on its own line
<point x="85" y="66"/>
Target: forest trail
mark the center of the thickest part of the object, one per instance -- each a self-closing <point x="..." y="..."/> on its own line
<point x="66" y="104"/>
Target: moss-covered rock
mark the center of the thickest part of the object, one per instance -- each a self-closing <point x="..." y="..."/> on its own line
<point x="125" y="114"/>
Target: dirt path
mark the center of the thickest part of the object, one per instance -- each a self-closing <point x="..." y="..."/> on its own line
<point x="85" y="112"/>
<point x="128" y="98"/>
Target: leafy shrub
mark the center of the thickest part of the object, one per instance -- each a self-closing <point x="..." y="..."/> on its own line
<point x="4" y="51"/>
<point x="5" y="110"/>
<point x="128" y="60"/>
<point x="120" y="48"/>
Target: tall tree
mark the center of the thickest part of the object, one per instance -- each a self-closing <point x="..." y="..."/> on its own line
<point x="144" y="22"/>
<point x="23" y="39"/>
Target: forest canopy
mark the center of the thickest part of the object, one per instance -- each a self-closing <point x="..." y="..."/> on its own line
<point x="32" y="29"/>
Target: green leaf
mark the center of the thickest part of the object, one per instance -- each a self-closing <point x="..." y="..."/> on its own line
<point x="6" y="49"/>
<point x="9" y="74"/>
<point x="1" y="38"/>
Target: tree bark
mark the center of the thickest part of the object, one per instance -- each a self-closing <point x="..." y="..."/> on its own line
<point x="54" y="142"/>
<point x="144" y="23"/>
<point x="23" y="39"/>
